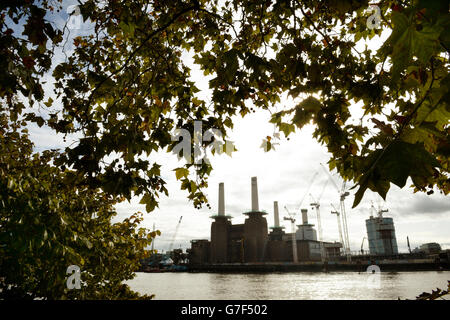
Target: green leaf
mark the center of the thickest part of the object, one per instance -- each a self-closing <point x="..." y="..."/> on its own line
<point x="306" y="110"/>
<point x="49" y="102"/>
<point x="231" y="64"/>
<point x="287" y="128"/>
<point x="406" y="42"/>
<point x="40" y="121"/>
<point x="181" y="172"/>
<point x="395" y="164"/>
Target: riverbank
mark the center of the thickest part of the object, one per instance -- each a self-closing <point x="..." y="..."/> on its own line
<point x="359" y="266"/>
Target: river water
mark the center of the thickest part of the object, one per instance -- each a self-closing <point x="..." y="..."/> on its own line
<point x="288" y="286"/>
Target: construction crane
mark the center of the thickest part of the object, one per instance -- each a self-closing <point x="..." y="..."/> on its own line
<point x="291" y="218"/>
<point x="175" y="234"/>
<point x="339" y="225"/>
<point x="362" y="243"/>
<point x="372" y="209"/>
<point x="409" y="246"/>
<point x="307" y="190"/>
<point x="380" y="213"/>
<point x="342" y="195"/>
<point x="316" y="204"/>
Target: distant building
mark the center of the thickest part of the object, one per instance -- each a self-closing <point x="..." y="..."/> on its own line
<point x="332" y="249"/>
<point x="305" y="230"/>
<point x="430" y="248"/>
<point x="199" y="251"/>
<point x="381" y="235"/>
<point x="250" y="242"/>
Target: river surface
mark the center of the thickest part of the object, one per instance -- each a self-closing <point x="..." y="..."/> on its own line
<point x="288" y="286"/>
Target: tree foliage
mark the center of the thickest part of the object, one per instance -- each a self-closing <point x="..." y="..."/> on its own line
<point x="47" y="224"/>
<point x="126" y="87"/>
<point x="435" y="294"/>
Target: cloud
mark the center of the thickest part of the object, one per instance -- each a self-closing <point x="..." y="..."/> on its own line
<point x="406" y="203"/>
<point x="427" y="205"/>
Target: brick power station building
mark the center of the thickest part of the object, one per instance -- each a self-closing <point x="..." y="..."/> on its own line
<point x="251" y="242"/>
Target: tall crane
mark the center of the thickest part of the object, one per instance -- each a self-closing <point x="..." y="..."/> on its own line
<point x="175" y="234"/>
<point x="373" y="211"/>
<point x="342" y="195"/>
<point x="362" y="243"/>
<point x="316" y="204"/>
<point x="339" y="225"/>
<point x="291" y="218"/>
<point x="380" y="213"/>
<point x="307" y="190"/>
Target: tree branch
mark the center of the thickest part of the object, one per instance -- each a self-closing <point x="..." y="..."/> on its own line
<point x="150" y="36"/>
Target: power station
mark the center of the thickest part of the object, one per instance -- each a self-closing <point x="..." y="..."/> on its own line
<point x="253" y="246"/>
<point x="251" y="241"/>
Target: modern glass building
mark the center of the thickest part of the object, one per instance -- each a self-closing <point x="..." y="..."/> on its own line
<point x="381" y="236"/>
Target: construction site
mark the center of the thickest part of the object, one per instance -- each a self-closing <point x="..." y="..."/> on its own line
<point x="253" y="246"/>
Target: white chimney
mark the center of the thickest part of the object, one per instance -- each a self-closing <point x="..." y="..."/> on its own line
<point x="305" y="216"/>
<point x="277" y="216"/>
<point x="255" y="206"/>
<point x="221" y="199"/>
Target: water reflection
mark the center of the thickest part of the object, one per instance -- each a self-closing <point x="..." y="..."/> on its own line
<point x="286" y="286"/>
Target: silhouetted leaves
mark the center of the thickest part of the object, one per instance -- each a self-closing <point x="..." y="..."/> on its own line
<point x="127" y="86"/>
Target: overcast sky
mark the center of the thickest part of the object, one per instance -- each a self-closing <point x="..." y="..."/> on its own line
<point x="283" y="176"/>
